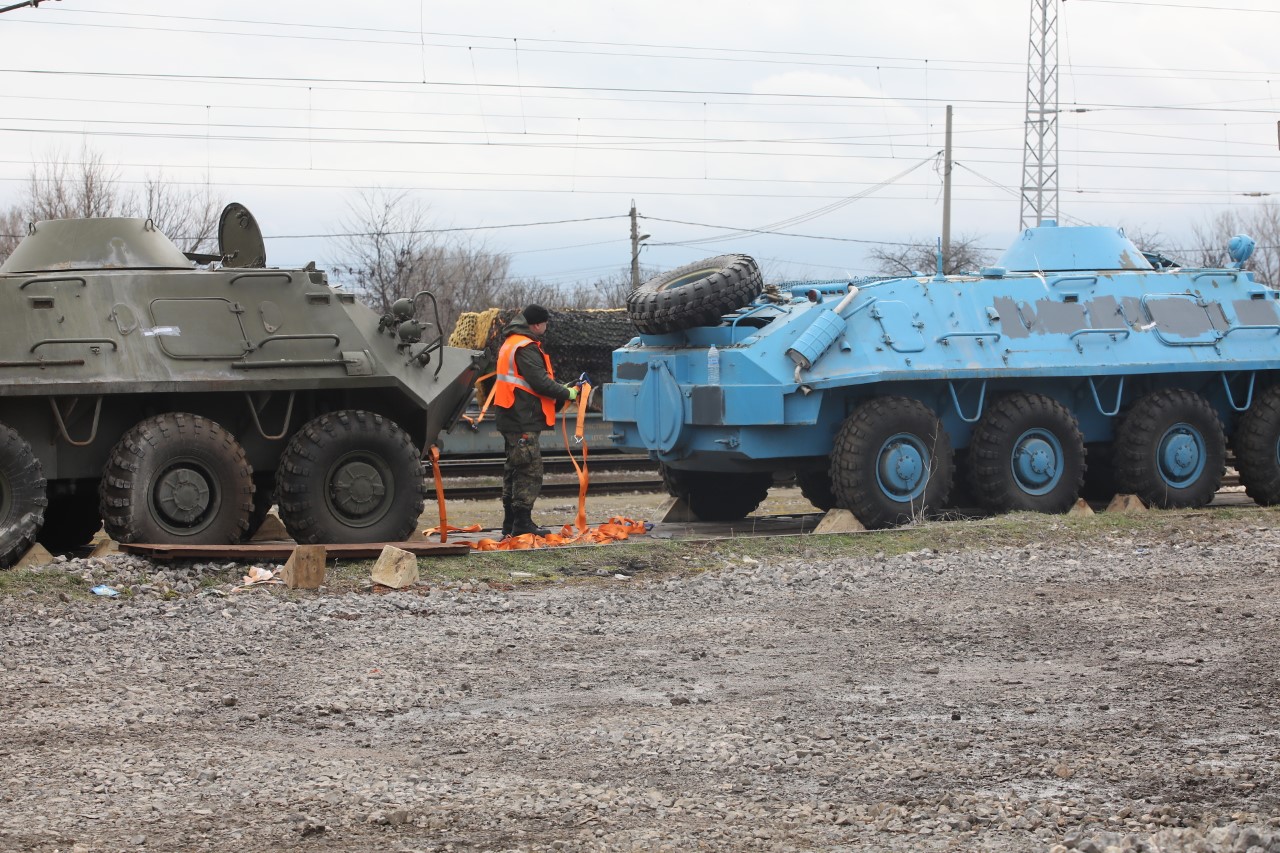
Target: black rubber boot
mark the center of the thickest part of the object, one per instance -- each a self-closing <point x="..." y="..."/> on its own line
<point x="508" y="517"/>
<point x="524" y="524"/>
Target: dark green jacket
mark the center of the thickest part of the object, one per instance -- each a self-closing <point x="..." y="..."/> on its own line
<point x="526" y="415"/>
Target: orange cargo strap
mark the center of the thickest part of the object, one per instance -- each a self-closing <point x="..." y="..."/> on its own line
<point x="584" y="394"/>
<point x="475" y="422"/>
<point x="444" y="528"/>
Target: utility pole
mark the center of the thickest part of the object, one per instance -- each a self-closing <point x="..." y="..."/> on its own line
<point x="636" y="238"/>
<point x="1040" y="148"/>
<point x="946" y="196"/>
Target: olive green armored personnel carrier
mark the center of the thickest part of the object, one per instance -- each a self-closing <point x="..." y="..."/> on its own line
<point x="174" y="398"/>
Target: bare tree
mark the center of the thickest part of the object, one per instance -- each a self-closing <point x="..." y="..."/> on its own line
<point x="58" y="189"/>
<point x="920" y="257"/>
<point x="1262" y="223"/>
<point x="188" y="217"/>
<point x="13" y="227"/>
<point x="389" y="251"/>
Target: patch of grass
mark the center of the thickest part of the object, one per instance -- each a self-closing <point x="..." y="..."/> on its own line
<point x="41" y="585"/>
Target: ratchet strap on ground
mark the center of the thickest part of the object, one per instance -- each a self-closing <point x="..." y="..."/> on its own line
<point x="434" y="455"/>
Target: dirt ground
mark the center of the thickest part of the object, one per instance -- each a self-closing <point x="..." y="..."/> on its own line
<point x="1010" y="684"/>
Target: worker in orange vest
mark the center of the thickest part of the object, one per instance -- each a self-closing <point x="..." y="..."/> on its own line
<point x="526" y="397"/>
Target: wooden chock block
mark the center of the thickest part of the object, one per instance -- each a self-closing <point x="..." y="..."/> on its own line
<point x="1126" y="504"/>
<point x="305" y="567"/>
<point x="1081" y="508"/>
<point x="839" y="521"/>
<point x="395" y="568"/>
<point x="272" y="529"/>
<point x="676" y="510"/>
<point x="37" y="555"/>
<point x="104" y="546"/>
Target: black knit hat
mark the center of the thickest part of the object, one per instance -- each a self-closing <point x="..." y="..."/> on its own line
<point x="535" y="314"/>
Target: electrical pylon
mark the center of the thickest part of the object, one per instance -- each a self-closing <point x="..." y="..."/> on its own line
<point x="1040" y="148"/>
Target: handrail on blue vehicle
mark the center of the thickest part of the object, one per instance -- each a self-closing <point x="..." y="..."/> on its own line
<point x="982" y="396"/>
<point x="1264" y="327"/>
<point x="734" y="325"/>
<point x="1231" y="397"/>
<point x="1093" y="388"/>
<point x="1080" y="332"/>
<point x="1235" y="274"/>
<point x="944" y="340"/>
<point x="1092" y="279"/>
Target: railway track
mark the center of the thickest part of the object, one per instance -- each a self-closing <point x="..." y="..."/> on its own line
<point x="457" y="486"/>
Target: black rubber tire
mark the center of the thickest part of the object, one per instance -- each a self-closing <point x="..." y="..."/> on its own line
<point x="350" y="476"/>
<point x="264" y="495"/>
<point x="177" y="479"/>
<point x="1257" y="446"/>
<point x="895" y="431"/>
<point x="22" y="497"/>
<point x="1027" y="455"/>
<point x="718" y="495"/>
<point x="71" y="520"/>
<point x="1168" y="426"/>
<point x="816" y="488"/>
<point x="697" y="294"/>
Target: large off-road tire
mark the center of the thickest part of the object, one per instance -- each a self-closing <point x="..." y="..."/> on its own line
<point x="892" y="462"/>
<point x="71" y="520"/>
<point x="350" y="476"/>
<point x="1257" y="446"/>
<point x="264" y="495"/>
<point x="718" y="495"/>
<point x="697" y="294"/>
<point x="22" y="497"/>
<point x="177" y="478"/>
<point x="1027" y="454"/>
<point x="1169" y="450"/>
<point x="816" y="488"/>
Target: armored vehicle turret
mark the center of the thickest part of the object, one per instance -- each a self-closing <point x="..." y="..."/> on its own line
<point x="1076" y="362"/>
<point x="174" y="402"/>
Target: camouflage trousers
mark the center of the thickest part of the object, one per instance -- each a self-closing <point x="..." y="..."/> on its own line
<point x="522" y="475"/>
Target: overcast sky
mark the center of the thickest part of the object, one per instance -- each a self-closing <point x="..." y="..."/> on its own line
<point x="711" y="115"/>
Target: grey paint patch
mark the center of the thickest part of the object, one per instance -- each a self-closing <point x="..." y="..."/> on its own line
<point x="1255" y="312"/>
<point x="1011" y="325"/>
<point x="1179" y="316"/>
<point x="708" y="405"/>
<point x="632" y="370"/>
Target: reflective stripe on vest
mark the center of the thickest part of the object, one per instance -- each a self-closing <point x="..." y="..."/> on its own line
<point x="508" y="377"/>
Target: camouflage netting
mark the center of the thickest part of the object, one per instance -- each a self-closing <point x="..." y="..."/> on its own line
<point x="578" y="340"/>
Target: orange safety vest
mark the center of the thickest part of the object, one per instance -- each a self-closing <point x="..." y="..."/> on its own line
<point x="508" y="378"/>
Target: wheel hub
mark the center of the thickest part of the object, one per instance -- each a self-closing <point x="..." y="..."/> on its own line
<point x="357" y="488"/>
<point x="183" y="495"/>
<point x="902" y="467"/>
<point x="1037" y="459"/>
<point x="1181" y="455"/>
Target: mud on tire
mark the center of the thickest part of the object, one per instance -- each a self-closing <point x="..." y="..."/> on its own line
<point x="696" y="294"/>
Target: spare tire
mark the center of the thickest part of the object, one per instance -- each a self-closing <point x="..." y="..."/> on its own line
<point x="697" y="294"/>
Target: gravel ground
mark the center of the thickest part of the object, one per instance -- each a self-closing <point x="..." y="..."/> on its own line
<point x="1038" y="685"/>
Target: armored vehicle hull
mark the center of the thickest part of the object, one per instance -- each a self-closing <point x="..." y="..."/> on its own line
<point x="175" y="403"/>
<point x="1075" y="364"/>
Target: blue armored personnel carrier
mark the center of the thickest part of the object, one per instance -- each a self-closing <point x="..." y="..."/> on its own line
<point x="1077" y="362"/>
